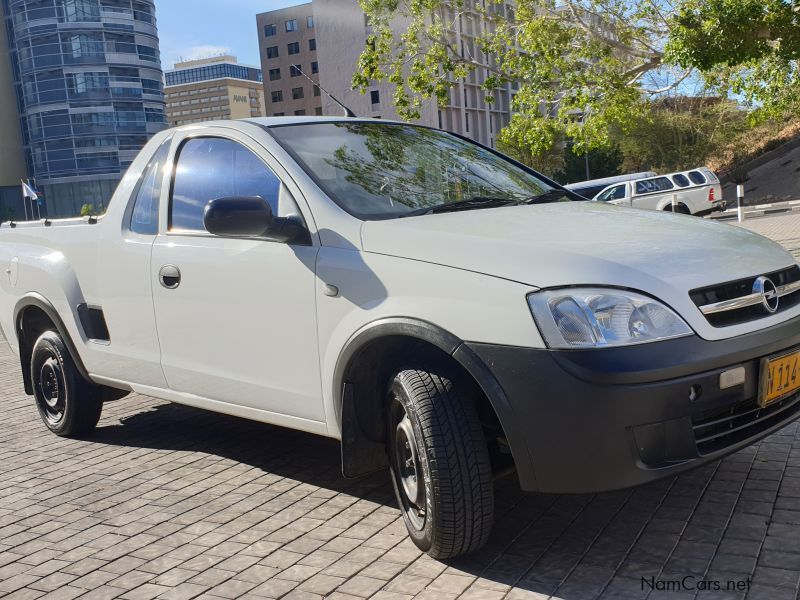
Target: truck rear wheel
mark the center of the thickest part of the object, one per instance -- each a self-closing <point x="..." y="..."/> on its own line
<point x="68" y="404"/>
<point x="680" y="209"/>
<point x="439" y="463"/>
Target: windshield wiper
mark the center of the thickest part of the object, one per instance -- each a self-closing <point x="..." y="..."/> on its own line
<point x="473" y="203"/>
<point x="553" y="195"/>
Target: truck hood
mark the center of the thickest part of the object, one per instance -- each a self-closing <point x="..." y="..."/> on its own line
<point x="584" y="243"/>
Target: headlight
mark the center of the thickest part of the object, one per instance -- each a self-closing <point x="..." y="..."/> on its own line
<point x="600" y="317"/>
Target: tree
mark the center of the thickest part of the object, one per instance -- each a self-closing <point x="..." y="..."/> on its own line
<point x="680" y="133"/>
<point x="747" y="47"/>
<point x="585" y="68"/>
<point x="603" y="162"/>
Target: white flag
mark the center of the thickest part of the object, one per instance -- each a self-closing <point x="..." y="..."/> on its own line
<point x="28" y="192"/>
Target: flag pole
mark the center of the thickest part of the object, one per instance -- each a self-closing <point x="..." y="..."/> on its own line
<point x="24" y="199"/>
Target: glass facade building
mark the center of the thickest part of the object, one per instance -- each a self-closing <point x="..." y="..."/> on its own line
<point x="90" y="91"/>
<point x="217" y="71"/>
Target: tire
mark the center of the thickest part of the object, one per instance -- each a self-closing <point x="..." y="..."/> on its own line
<point x="682" y="209"/>
<point x="68" y="404"/>
<point x="434" y="434"/>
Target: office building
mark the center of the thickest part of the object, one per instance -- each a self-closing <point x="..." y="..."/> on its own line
<point x="90" y="93"/>
<point x="288" y="46"/>
<point x="12" y="154"/>
<point x="213" y="88"/>
<point x="330" y="35"/>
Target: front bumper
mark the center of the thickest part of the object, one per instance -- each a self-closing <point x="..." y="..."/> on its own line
<point x="604" y="419"/>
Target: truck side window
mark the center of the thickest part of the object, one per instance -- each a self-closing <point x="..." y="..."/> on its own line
<point x="144" y="217"/>
<point x="615" y="193"/>
<point x="680" y="180"/>
<point x="649" y="186"/>
<point x="697" y="177"/>
<point x="209" y="168"/>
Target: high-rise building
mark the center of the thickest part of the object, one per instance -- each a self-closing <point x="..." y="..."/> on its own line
<point x="329" y="35"/>
<point x="12" y="154"/>
<point x="288" y="45"/>
<point x="213" y="88"/>
<point x="90" y="92"/>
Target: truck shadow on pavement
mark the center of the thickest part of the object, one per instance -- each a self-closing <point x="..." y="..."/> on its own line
<point x="571" y="546"/>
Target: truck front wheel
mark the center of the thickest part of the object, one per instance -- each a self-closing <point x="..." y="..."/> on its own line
<point x="68" y="404"/>
<point x="439" y="463"/>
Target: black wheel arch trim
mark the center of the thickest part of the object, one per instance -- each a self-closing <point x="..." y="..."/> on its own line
<point x="449" y="344"/>
<point x="37" y="300"/>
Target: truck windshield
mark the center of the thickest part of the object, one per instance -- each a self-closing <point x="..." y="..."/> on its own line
<point x="384" y="170"/>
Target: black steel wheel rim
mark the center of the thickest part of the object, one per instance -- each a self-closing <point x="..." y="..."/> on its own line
<point x="52" y="390"/>
<point x="406" y="466"/>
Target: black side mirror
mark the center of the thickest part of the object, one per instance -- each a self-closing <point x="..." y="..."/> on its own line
<point x="249" y="216"/>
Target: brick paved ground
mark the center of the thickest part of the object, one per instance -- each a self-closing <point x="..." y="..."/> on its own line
<point x="784" y="228"/>
<point x="172" y="502"/>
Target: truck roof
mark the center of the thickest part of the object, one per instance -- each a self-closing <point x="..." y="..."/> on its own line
<point x="299" y="120"/>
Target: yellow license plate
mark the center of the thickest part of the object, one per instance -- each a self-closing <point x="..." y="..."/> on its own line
<point x="780" y="377"/>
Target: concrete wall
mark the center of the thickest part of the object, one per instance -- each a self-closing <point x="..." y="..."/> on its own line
<point x="289" y="105"/>
<point x="341" y="35"/>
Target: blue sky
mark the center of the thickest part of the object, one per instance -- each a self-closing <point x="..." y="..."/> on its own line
<point x="199" y="28"/>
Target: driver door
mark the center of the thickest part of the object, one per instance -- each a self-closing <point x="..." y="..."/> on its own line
<point x="236" y="317"/>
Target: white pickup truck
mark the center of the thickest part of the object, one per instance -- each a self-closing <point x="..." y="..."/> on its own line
<point x="439" y="308"/>
<point x="696" y="192"/>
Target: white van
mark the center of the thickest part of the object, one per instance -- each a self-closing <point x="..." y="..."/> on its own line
<point x="696" y="192"/>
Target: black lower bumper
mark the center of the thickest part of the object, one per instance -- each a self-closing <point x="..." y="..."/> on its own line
<point x="597" y="420"/>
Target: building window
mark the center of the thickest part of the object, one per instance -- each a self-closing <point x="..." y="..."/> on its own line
<point x="440" y="119"/>
<point x="274" y="74"/>
<point x="272" y="52"/>
<point x="277" y="96"/>
<point x="316" y="90"/>
<point x="314" y="67"/>
<point x="375" y="97"/>
<point x="278" y="114"/>
<point x="466" y="121"/>
<point x="297" y="93"/>
<point x="312" y="44"/>
<point x="300" y="111"/>
<point x="295" y="71"/>
<point x="291" y="25"/>
<point x="294" y="48"/>
<point x="310" y="22"/>
<point x="318" y="110"/>
<point x="270" y="30"/>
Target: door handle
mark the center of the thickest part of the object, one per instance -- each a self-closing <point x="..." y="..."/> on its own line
<point x="169" y="276"/>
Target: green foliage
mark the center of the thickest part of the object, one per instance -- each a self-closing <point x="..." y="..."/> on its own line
<point x="587" y="70"/>
<point x="603" y="162"/>
<point x="745" y="47"/>
<point x="680" y="133"/>
<point x="88" y="210"/>
<point x="549" y="162"/>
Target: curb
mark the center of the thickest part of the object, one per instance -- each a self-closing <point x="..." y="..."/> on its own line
<point x="762" y="210"/>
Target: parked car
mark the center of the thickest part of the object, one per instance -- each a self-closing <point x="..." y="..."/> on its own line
<point x="695" y="192"/>
<point x="439" y="308"/>
<point x="589" y="189"/>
